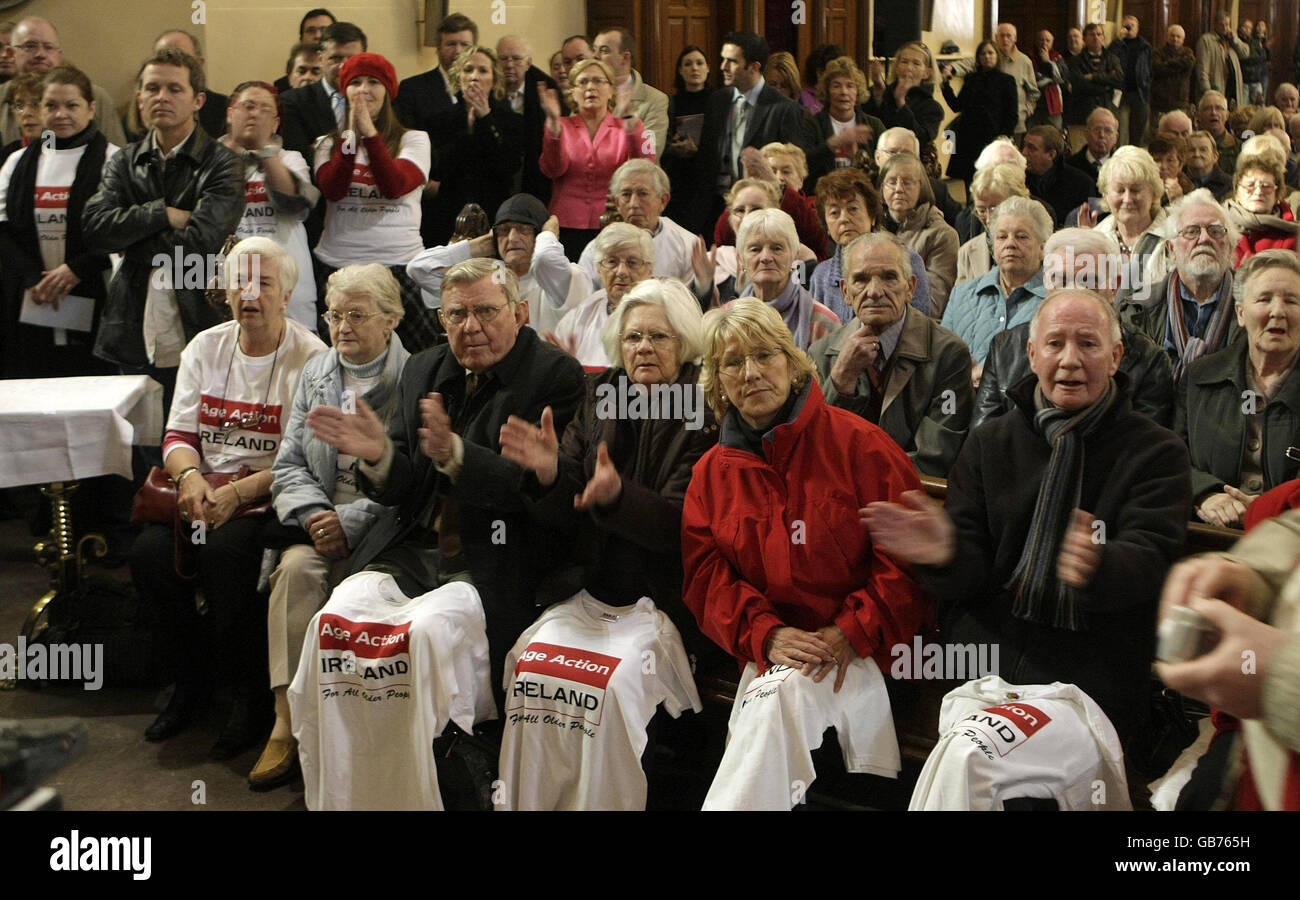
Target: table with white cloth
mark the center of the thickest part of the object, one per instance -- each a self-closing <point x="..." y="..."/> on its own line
<point x="54" y="431"/>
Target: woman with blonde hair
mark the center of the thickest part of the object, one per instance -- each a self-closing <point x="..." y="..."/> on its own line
<point x="908" y="101"/>
<point x="1265" y="220"/>
<point x="1132" y="191"/>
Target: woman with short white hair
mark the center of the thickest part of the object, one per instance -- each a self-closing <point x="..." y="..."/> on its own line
<point x="1132" y="190"/>
<point x="988" y="188"/>
<point x="625" y="256"/>
<point x="766" y="246"/>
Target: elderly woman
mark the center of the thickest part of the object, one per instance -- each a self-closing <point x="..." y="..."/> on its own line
<point x="766" y="245"/>
<point x="235" y="382"/>
<point x="619" y="481"/>
<point x="1132" y="191"/>
<point x="846" y="136"/>
<point x="746" y="196"/>
<point x="850" y="207"/>
<point x="785" y="166"/>
<point x="988" y="188"/>
<point x="989" y="104"/>
<point x="1258" y="210"/>
<point x="819" y="599"/>
<point x="24" y="98"/>
<point x="41" y="242"/>
<point x="1010" y="292"/>
<point x="277" y="186"/>
<point x="1241" y="447"/>
<point x="478" y="144"/>
<point x="315" y="490"/>
<point x="581" y="152"/>
<point x="911" y="214"/>
<point x="625" y="255"/>
<point x="373" y="172"/>
<point x="1170" y="152"/>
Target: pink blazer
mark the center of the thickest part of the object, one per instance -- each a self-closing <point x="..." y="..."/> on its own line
<point x="580" y="168"/>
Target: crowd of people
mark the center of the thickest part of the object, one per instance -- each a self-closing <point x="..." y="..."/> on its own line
<point x="428" y="289"/>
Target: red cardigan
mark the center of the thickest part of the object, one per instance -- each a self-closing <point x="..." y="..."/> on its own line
<point x="580" y="168"/>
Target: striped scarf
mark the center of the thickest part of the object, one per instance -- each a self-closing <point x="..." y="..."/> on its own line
<point x="1189" y="348"/>
<point x="1039" y="596"/>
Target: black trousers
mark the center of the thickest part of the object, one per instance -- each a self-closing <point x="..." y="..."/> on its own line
<point x="230" y="642"/>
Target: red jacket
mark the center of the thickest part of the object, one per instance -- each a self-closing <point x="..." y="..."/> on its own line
<point x="1261" y="239"/>
<point x="777" y="540"/>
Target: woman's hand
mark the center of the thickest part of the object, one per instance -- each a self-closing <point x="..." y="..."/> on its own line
<point x="876" y="76"/>
<point x="857" y="135"/>
<point x="755" y="165"/>
<point x="844" y="654"/>
<point x="222" y="505"/>
<point x="193" y="497"/>
<point x="1087" y="219"/>
<point x="704" y="262"/>
<point x="550" y="100"/>
<point x="361" y="434"/>
<point x="476" y="99"/>
<point x="56" y="284"/>
<point x="682" y="145"/>
<point x="326" y="533"/>
<point x="537" y="449"/>
<point x="799" y="649"/>
<point x="1173" y="190"/>
<point x="1225" y="509"/>
<point x="1206" y="576"/>
<point x="359" y="115"/>
<point x="605" y="485"/>
<point x="915" y="531"/>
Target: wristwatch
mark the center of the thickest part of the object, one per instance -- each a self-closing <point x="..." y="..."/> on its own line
<point x="271" y="149"/>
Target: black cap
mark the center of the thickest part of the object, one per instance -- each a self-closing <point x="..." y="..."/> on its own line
<point x="523" y="208"/>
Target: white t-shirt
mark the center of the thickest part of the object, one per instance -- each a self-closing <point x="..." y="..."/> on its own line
<point x="262" y="219"/>
<point x="582" y="683"/>
<point x="1000" y="741"/>
<point x="237" y="404"/>
<point x="380" y="677"/>
<point x="581" y="329"/>
<point x="365" y="227"/>
<point x="778" y="719"/>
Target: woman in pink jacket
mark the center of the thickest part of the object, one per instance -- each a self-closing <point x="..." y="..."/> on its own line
<point x="581" y="152"/>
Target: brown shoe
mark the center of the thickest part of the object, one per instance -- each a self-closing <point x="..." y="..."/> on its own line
<point x="277" y="765"/>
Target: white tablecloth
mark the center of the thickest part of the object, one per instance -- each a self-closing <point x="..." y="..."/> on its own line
<point x="61" y="429"/>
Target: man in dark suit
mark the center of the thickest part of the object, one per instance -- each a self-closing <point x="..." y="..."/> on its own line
<point x="315" y="109"/>
<point x="311" y="31"/>
<point x="765" y="116"/>
<point x="1099" y="144"/>
<point x="460" y="511"/>
<point x="305" y="66"/>
<point x="1064" y="187"/>
<point x="522" y="79"/>
<point x="421" y="98"/>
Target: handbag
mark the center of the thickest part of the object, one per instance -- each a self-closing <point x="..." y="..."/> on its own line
<point x="156" y="500"/>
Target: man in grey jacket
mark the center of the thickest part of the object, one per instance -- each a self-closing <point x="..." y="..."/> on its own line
<point x="616" y="48"/>
<point x="893" y="366"/>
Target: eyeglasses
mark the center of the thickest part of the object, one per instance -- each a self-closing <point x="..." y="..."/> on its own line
<point x="1262" y="187"/>
<point x="33" y="46"/>
<point x="484" y="314"/>
<point x="504" y="230"/>
<point x="19" y="105"/>
<point x="734" y="365"/>
<point x="354" y="316"/>
<point x="1193" y="232"/>
<point x="594" y="80"/>
<point x="611" y="264"/>
<point x="901" y="184"/>
<point x="658" y="339"/>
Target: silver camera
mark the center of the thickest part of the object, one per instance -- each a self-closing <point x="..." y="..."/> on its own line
<point x="1183" y="635"/>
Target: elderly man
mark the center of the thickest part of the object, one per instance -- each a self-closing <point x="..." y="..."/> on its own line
<point x="1218" y="61"/>
<point x="893" y="366"/>
<point x="1047" y="175"/>
<point x="1095" y="75"/>
<point x="1176" y="123"/>
<point x="1200" y="236"/>
<point x="1212" y="117"/>
<point x="522" y="79"/>
<point x="317" y="108"/>
<point x="459" y="507"/>
<point x="1088" y="259"/>
<point x="1134" y="54"/>
<point x="1018" y="66"/>
<point x="1060" y="521"/>
<point x="616" y="47"/>
<point x="1171" y="72"/>
<point x="1287" y="99"/>
<point x="1202" y="166"/>
<point x="1008" y="293"/>
<point x="641" y="192"/>
<point x="35" y="45"/>
<point x="1052" y="73"/>
<point x="167" y="204"/>
<point x="421" y="98"/>
<point x="1099" y="142"/>
<point x="526" y="237"/>
<point x="572" y="51"/>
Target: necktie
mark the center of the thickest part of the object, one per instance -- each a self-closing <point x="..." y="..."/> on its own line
<point x="337" y="101"/>
<point x="738" y="121"/>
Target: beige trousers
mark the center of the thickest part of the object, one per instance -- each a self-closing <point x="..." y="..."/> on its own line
<point x="300" y="585"/>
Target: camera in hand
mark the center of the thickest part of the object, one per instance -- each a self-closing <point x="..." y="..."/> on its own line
<point x="1184" y="635"/>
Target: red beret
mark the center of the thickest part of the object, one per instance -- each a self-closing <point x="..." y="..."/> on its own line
<point x="369" y="64"/>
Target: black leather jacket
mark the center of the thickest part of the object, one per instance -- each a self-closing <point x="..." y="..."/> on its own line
<point x="128" y="215"/>
<point x="1150" y="375"/>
